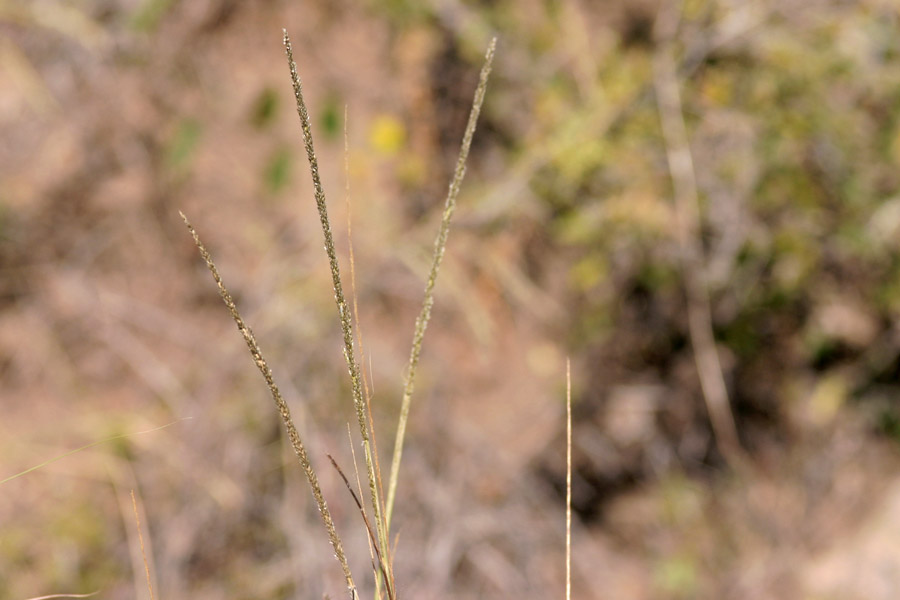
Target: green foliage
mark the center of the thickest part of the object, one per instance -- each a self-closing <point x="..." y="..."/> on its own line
<point x="183" y="144"/>
<point x="150" y="13"/>
<point x="330" y="117"/>
<point x="794" y="133"/>
<point x="278" y="170"/>
<point x="676" y="576"/>
<point x="265" y="108"/>
<point x="402" y="12"/>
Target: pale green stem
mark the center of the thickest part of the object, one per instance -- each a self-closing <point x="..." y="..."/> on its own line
<point x="440" y="245"/>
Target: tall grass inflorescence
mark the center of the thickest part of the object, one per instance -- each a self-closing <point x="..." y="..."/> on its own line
<point x="381" y="510"/>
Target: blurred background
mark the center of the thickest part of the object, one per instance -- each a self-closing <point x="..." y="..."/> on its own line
<point x="657" y="190"/>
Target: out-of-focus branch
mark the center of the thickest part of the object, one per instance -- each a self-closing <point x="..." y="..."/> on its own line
<point x="687" y="231"/>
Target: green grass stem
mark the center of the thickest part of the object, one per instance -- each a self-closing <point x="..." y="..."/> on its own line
<point x="440" y="244"/>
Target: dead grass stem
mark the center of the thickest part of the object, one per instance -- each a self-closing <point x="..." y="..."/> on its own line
<point x="568" y="480"/>
<point x="137" y="522"/>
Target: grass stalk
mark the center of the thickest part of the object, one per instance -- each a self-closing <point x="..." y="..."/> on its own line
<point x="54" y="596"/>
<point x="440" y="245"/>
<point x="343" y="309"/>
<point x="379" y="563"/>
<point x="379" y="537"/>
<point x="283" y="410"/>
<point x="137" y="522"/>
<point x="568" y="480"/>
<point x="86" y="447"/>
<point x="383" y="535"/>
<point x="356" y="319"/>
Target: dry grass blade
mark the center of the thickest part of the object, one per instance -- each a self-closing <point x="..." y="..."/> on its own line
<point x="440" y="244"/>
<point x="568" y="480"/>
<point x="281" y="405"/>
<point x="86" y="447"/>
<point x="356" y="320"/>
<point x="137" y="521"/>
<point x="343" y="310"/>
<point x="362" y="511"/>
<point x="362" y="358"/>
<point x="65" y="596"/>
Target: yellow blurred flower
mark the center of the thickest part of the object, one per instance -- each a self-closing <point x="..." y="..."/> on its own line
<point x="387" y="135"/>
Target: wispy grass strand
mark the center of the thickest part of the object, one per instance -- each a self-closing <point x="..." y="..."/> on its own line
<point x="440" y="244"/>
<point x="283" y="410"/>
<point x="343" y="309"/>
<point x="382" y="519"/>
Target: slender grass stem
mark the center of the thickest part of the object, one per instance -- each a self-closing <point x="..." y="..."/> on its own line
<point x="87" y="446"/>
<point x="356" y="319"/>
<point x="568" y="480"/>
<point x="137" y="522"/>
<point x="382" y="531"/>
<point x="380" y="563"/>
<point x="283" y="410"/>
<point x="440" y="244"/>
<point x="343" y="309"/>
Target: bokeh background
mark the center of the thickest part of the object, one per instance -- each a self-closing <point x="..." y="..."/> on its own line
<point x="568" y="242"/>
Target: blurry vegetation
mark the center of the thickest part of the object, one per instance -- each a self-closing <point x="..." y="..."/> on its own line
<point x="265" y="108"/>
<point x="183" y="144"/>
<point x="278" y="169"/>
<point x="387" y="135"/>
<point x="330" y="117"/>
<point x="149" y="14"/>
<point x="793" y="115"/>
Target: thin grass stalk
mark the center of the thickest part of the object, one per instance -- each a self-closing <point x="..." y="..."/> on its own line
<point x="356" y="319"/>
<point x="440" y="244"/>
<point x="283" y="410"/>
<point x="362" y="360"/>
<point x="379" y="559"/>
<point x="371" y="543"/>
<point x="86" y="447"/>
<point x="343" y="310"/>
<point x="137" y="522"/>
<point x="568" y="480"/>
<point x="53" y="596"/>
